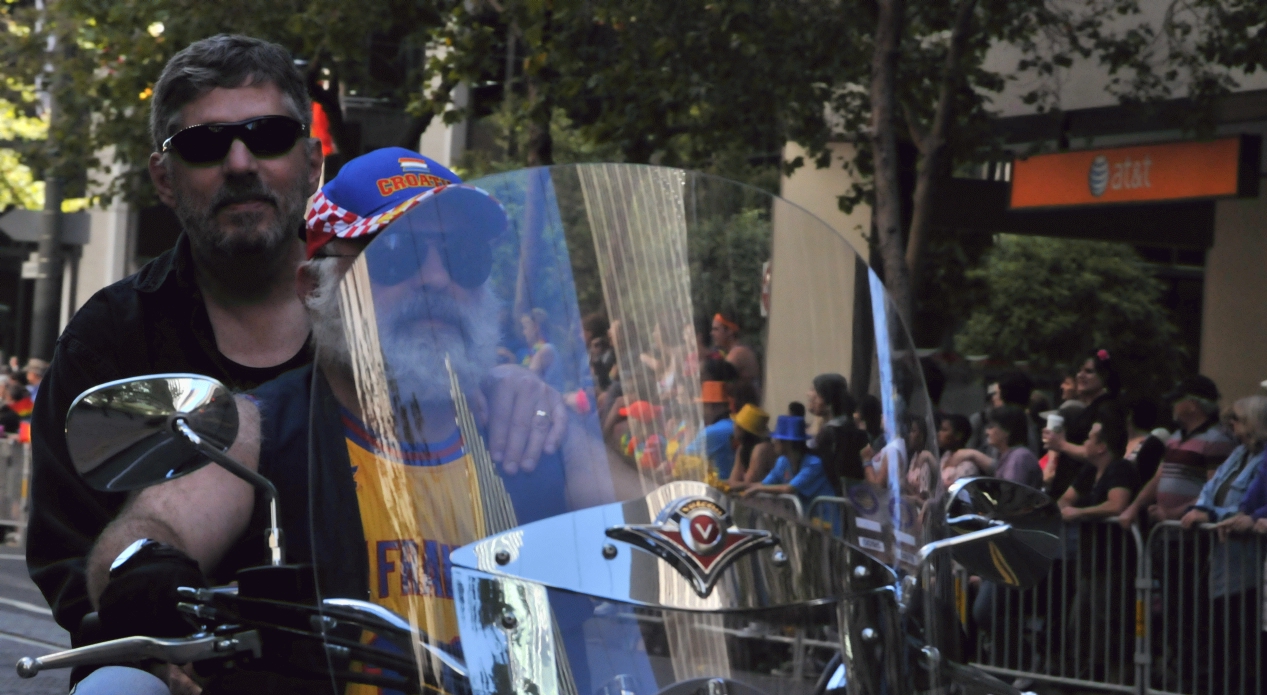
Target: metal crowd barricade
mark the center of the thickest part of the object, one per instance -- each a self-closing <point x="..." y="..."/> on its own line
<point x="1204" y="611"/>
<point x="1080" y="627"/>
<point x="783" y="505"/>
<point x="15" y="483"/>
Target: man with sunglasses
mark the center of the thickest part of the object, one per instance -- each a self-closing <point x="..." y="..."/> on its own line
<point x="233" y="160"/>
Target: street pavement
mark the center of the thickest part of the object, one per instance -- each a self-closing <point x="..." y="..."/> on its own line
<point x="26" y="629"/>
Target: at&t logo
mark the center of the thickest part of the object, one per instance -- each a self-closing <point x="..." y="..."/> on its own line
<point x="1128" y="173"/>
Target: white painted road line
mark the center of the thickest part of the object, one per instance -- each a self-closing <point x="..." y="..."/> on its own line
<point x="42" y="610"/>
<point x="31" y="642"/>
<point x="11" y="556"/>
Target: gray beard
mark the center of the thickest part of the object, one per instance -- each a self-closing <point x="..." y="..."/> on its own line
<point x="324" y="312"/>
<point x="242" y="235"/>
<point x="413" y="355"/>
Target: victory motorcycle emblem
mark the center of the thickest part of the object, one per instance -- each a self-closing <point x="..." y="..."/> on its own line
<point x="696" y="536"/>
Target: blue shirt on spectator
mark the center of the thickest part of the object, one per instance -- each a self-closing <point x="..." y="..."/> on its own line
<point x="1254" y="502"/>
<point x="717" y="444"/>
<point x="1230" y="482"/>
<point x="1222" y="496"/>
<point x="809" y="482"/>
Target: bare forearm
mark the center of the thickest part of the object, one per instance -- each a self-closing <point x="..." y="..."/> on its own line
<point x="1103" y="510"/>
<point x="121" y="533"/>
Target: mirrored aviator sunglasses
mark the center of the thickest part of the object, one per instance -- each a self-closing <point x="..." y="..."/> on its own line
<point x="209" y="143"/>
<point x="399" y="255"/>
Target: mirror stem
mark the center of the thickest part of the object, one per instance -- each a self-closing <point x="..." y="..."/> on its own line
<point x="926" y="554"/>
<point x="259" y="482"/>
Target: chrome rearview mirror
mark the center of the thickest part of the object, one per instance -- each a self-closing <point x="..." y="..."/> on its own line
<point x="120" y="435"/>
<point x="133" y="433"/>
<point x="1003" y="531"/>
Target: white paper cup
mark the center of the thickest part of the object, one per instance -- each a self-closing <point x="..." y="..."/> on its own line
<point x="1055" y="422"/>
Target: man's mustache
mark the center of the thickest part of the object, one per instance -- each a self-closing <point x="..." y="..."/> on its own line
<point x="424" y="305"/>
<point x="243" y="191"/>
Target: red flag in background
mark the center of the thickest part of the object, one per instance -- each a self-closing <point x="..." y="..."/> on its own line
<point x="321" y="130"/>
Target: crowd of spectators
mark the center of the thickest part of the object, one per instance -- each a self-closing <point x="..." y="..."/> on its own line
<point x="1109" y="456"/>
<point x="1107" y="459"/>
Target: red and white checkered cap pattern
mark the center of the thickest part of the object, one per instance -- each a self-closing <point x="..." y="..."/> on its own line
<point x="326" y="220"/>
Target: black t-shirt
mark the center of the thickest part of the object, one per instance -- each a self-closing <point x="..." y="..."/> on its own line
<point x="838" y="444"/>
<point x="149" y="323"/>
<point x="1119" y="473"/>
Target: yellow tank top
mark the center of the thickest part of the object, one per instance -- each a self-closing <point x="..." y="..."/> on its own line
<point x="416" y="506"/>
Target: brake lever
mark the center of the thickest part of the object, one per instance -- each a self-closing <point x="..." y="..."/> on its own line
<point x="181" y="650"/>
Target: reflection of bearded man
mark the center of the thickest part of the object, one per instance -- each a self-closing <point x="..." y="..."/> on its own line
<point x="416" y="335"/>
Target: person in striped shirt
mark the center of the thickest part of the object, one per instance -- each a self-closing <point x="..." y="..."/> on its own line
<point x="1192" y="455"/>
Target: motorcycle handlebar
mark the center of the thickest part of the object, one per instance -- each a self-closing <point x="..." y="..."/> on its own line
<point x="181" y="650"/>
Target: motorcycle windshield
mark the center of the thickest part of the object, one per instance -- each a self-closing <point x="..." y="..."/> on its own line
<point x="466" y="386"/>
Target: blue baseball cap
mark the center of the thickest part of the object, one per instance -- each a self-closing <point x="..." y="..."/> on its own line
<point x="370" y="191"/>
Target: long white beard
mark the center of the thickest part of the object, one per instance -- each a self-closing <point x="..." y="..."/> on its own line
<point x="412" y="351"/>
<point x="324" y="312"/>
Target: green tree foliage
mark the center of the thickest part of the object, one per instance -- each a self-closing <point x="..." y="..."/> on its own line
<point x="1052" y="301"/>
<point x="679" y="83"/>
<point x="114" y="50"/>
<point x="19" y="130"/>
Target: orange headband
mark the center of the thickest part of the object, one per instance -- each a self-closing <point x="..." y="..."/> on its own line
<point x="726" y="322"/>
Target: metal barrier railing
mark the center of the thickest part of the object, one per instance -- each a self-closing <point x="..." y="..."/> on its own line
<point x="1075" y="628"/>
<point x="1204" y="611"/>
<point x="783" y="505"/>
<point x="15" y="484"/>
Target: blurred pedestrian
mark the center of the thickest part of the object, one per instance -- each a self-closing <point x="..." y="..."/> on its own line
<point x="922" y="471"/>
<point x="870" y="419"/>
<point x="719" y="428"/>
<point x="34" y="371"/>
<point x="1005" y="433"/>
<point x="725" y="334"/>
<point x="1233" y="571"/>
<point x="754" y="455"/>
<point x="797" y="471"/>
<point x="839" y="442"/>
<point x="1192" y="454"/>
<point x="952" y="435"/>
<point x="1012" y="388"/>
<point x="1098" y="385"/>
<point x="1103" y="488"/>
<point x="601" y="355"/>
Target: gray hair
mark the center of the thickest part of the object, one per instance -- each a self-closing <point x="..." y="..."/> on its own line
<point x="1254" y="411"/>
<point x="229" y="61"/>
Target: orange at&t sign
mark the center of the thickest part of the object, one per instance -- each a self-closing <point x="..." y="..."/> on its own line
<point x="1172" y="171"/>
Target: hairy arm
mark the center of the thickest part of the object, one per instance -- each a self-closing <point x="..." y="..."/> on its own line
<point x="202" y="513"/>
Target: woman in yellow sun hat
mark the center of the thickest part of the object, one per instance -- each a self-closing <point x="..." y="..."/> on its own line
<point x="754" y="455"/>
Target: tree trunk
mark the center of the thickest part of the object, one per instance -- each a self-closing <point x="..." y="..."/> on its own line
<point x="540" y="145"/>
<point x="933" y="146"/>
<point x="887" y="213"/>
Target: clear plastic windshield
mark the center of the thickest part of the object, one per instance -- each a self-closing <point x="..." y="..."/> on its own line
<point x="555" y="339"/>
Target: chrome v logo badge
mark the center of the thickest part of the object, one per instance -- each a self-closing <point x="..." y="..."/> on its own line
<point x="697" y="537"/>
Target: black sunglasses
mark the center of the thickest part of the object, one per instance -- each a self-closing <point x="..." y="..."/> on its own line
<point x="208" y="143"/>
